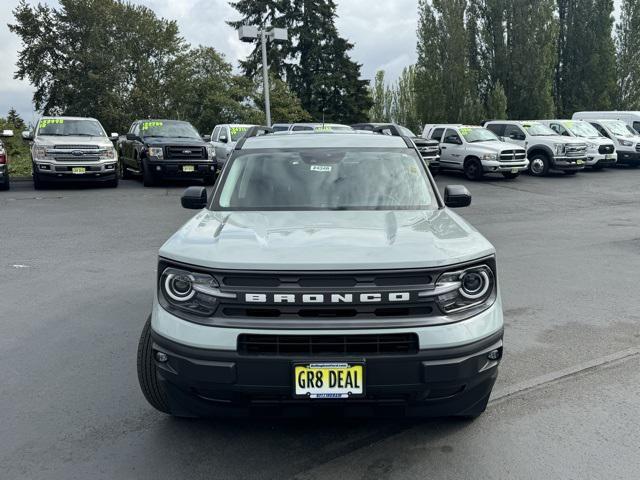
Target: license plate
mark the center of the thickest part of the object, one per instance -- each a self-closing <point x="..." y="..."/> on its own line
<point x="188" y="168"/>
<point x="579" y="162"/>
<point x="514" y="170"/>
<point x="609" y="156"/>
<point x="78" y="170"/>
<point x="329" y="380"/>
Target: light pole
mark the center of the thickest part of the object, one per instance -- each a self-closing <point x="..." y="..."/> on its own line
<point x="249" y="33"/>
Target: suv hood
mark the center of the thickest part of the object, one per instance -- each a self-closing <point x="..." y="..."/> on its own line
<point x="47" y="140"/>
<point x="164" y="141"/>
<point x="493" y="147"/>
<point x="333" y="240"/>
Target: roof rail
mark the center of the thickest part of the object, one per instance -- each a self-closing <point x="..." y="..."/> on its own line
<point x="254" y="131"/>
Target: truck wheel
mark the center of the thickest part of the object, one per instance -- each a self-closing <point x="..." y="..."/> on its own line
<point x="38" y="184"/>
<point x="539" y="165"/>
<point x="473" y="169"/>
<point x="148" y="375"/>
<point x="6" y="185"/>
<point x="147" y="177"/>
<point x="113" y="183"/>
<point x="510" y="175"/>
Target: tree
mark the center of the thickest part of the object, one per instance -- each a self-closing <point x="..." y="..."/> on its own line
<point x="101" y="58"/>
<point x="15" y="120"/>
<point x="497" y="103"/>
<point x="628" y="56"/>
<point x="405" y="109"/>
<point x="285" y="106"/>
<point x="380" y="93"/>
<point x="585" y="76"/>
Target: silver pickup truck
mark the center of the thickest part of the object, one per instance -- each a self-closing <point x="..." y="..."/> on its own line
<point x="72" y="149"/>
<point x="325" y="271"/>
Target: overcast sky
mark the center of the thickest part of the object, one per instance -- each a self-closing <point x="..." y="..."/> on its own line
<point x="383" y="31"/>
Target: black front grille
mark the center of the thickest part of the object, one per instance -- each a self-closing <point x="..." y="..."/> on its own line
<point x="290" y="345"/>
<point x="638" y="147"/>
<point x="605" y="149"/>
<point x="185" y="152"/>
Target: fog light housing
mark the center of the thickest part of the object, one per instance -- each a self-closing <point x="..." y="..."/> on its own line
<point x="44" y="167"/>
<point x="495" y="354"/>
<point x="111" y="166"/>
<point x="158" y="168"/>
<point x="161" y="357"/>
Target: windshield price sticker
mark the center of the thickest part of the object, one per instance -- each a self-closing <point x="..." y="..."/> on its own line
<point x="320" y="168"/>
<point x="50" y="121"/>
<point x="148" y="125"/>
<point x="323" y="129"/>
<point x="465" y="131"/>
<point x="236" y="130"/>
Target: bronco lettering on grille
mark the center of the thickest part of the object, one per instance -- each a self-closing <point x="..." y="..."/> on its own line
<point x="319" y="298"/>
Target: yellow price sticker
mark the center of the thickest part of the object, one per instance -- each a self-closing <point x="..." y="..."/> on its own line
<point x="148" y="125"/>
<point x="324" y="128"/>
<point x="465" y="131"/>
<point x="51" y="121"/>
<point x="236" y="130"/>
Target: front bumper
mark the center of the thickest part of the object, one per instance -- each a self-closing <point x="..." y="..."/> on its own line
<point x="569" y="163"/>
<point x="432" y="162"/>
<point x="490" y="166"/>
<point x="628" y="158"/>
<point x="64" y="172"/>
<point x="601" y="160"/>
<point x="441" y="382"/>
<point x="175" y="169"/>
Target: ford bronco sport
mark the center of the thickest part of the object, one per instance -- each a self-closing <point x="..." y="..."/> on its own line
<point x="325" y="271"/>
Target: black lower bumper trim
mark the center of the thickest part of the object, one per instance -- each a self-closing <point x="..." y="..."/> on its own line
<point x="439" y="382"/>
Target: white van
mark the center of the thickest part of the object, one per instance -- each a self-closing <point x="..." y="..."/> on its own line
<point x="624" y="137"/>
<point x="630" y="118"/>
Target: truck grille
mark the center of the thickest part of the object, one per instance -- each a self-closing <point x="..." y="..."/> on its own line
<point x="605" y="149"/>
<point x="75" y="153"/>
<point x="512" y="155"/>
<point x="185" y="152"/>
<point x="637" y="147"/>
<point x="576" y="150"/>
<point x="290" y="345"/>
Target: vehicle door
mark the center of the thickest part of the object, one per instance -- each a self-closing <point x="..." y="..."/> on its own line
<point x="514" y="134"/>
<point x="129" y="146"/>
<point x="220" y="144"/>
<point x="453" y="149"/>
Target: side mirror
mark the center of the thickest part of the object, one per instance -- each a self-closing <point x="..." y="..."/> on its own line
<point x="114" y="137"/>
<point x="222" y="138"/>
<point x="456" y="196"/>
<point x="132" y="137"/>
<point x="7" y="133"/>
<point x="194" y="198"/>
<point x="27" y="135"/>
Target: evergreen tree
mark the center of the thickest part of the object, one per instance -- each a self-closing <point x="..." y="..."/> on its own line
<point x="585" y="75"/>
<point x="628" y="56"/>
<point x="497" y="103"/>
<point x="378" y="112"/>
<point x="404" y="109"/>
<point x="15" y="120"/>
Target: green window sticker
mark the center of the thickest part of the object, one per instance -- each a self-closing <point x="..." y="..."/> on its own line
<point x="237" y="130"/>
<point x="148" y="125"/>
<point x="465" y="131"/>
<point x="324" y="128"/>
<point x="50" y="121"/>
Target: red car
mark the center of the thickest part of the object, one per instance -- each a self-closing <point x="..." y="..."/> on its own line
<point x="4" y="163"/>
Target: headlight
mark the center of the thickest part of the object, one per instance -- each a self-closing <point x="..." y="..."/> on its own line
<point x="211" y="152"/>
<point x="155" y="152"/>
<point x="591" y="145"/>
<point x="109" y="153"/>
<point x="189" y="292"/>
<point x="465" y="289"/>
<point x="39" y="153"/>
<point x="625" y="143"/>
<point x="490" y="156"/>
<point x="559" y="148"/>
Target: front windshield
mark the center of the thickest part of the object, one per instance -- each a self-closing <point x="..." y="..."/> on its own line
<point x="237" y="132"/>
<point x="582" y="129"/>
<point x="632" y="130"/>
<point x="477" y="134"/>
<point x="617" y="127"/>
<point x="63" y="127"/>
<point x="538" y="130"/>
<point x="405" y="131"/>
<point x="326" y="179"/>
<point x="168" y="128"/>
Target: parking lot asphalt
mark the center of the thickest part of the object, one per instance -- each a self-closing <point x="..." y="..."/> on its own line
<point x="77" y="270"/>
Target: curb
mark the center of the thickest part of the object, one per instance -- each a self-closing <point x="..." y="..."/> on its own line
<point x="21" y="178"/>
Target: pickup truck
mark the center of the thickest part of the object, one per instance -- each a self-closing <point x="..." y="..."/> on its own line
<point x="166" y="149"/>
<point x="4" y="162"/>
<point x="72" y="149"/>
<point x="476" y="151"/>
<point x="324" y="272"/>
<point x="546" y="150"/>
<point x="224" y="138"/>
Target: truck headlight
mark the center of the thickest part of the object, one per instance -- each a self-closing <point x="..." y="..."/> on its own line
<point x="155" y="152"/>
<point x="39" y="153"/>
<point x="490" y="156"/>
<point x="466" y="289"/>
<point x="182" y="291"/>
<point x="625" y="143"/>
<point x="211" y="152"/>
<point x="109" y="153"/>
<point x="559" y="148"/>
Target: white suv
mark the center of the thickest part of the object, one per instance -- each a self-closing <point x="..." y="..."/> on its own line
<point x="476" y="151"/>
<point x="546" y="149"/>
<point x="626" y="141"/>
<point x="600" y="150"/>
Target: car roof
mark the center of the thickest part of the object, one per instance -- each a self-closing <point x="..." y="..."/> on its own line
<point x="323" y="140"/>
<point x="161" y="120"/>
<point x="67" y="118"/>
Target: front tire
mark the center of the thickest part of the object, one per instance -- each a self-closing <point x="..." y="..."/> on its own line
<point x="539" y="165"/>
<point x="6" y="185"/>
<point x="147" y="177"/>
<point x="473" y="169"/>
<point x="38" y="184"/>
<point x="151" y="386"/>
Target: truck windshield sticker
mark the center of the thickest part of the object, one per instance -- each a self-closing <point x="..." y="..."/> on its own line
<point x="465" y="131"/>
<point x="237" y="130"/>
<point x="50" y="121"/>
<point x="323" y="128"/>
<point x="320" y="168"/>
<point x="148" y="125"/>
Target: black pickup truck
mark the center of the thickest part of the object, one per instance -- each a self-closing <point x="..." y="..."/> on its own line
<point x="166" y="149"/>
<point x="429" y="149"/>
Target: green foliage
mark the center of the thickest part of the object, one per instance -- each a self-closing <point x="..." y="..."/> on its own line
<point x="497" y="103"/>
<point x="382" y="99"/>
<point x="17" y="150"/>
<point x="285" y="106"/>
<point x="404" y="110"/>
<point x="628" y="57"/>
